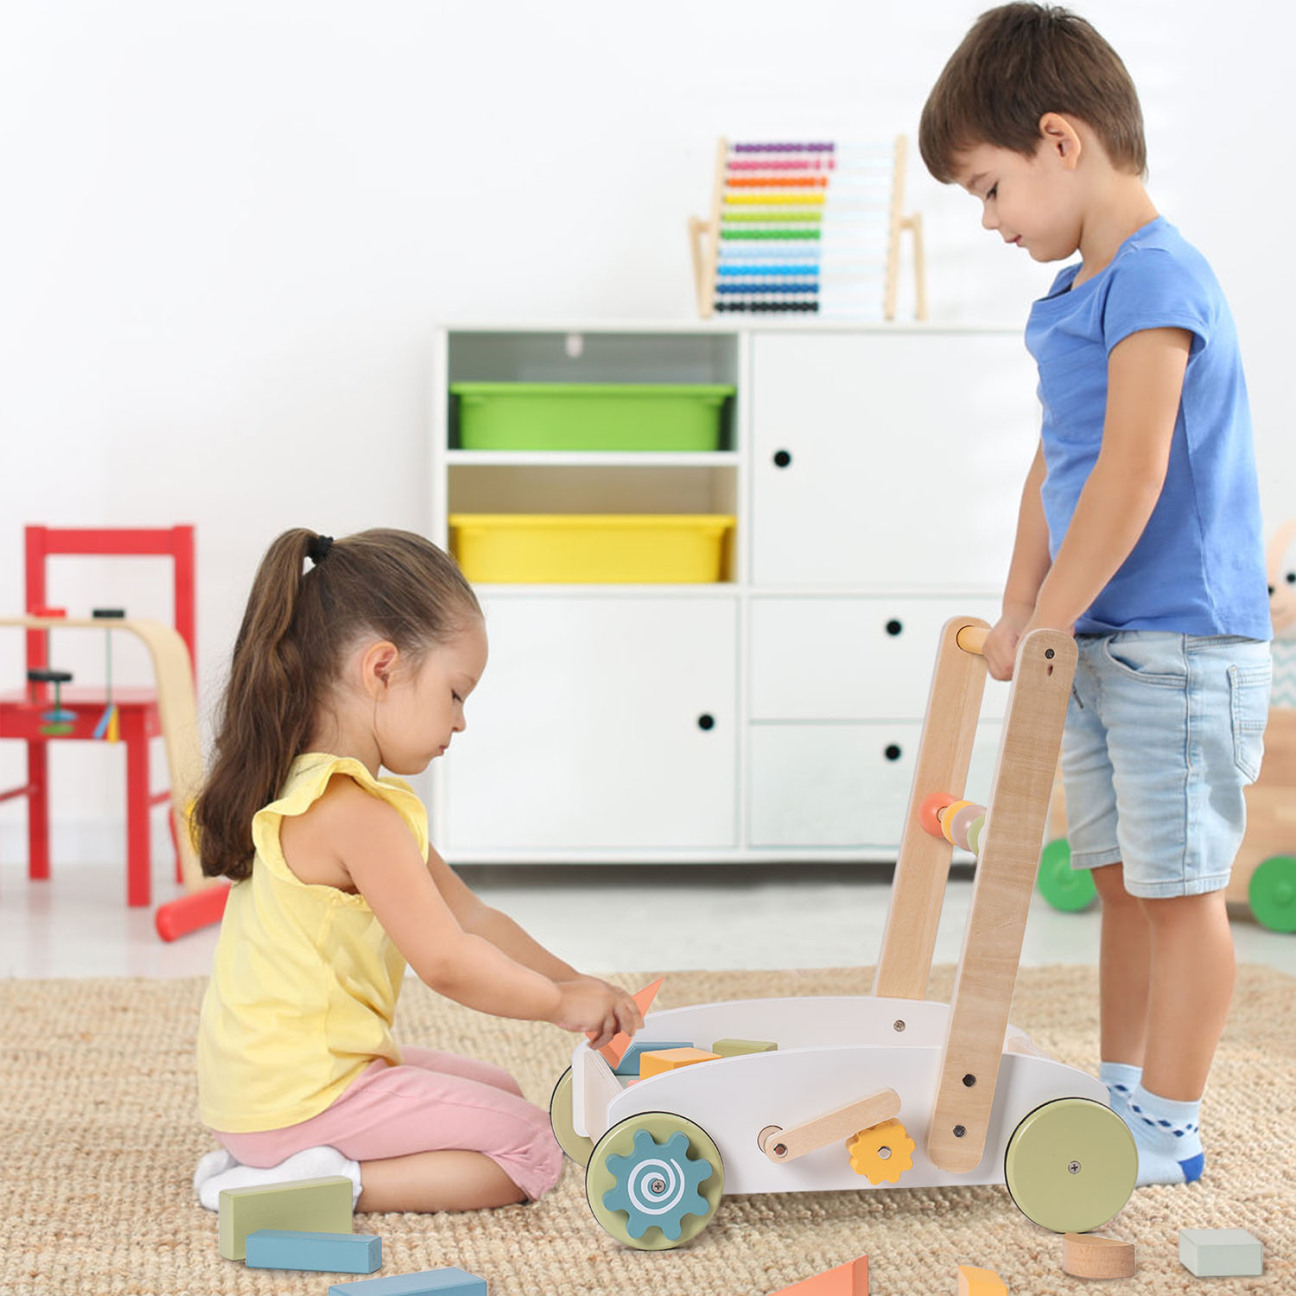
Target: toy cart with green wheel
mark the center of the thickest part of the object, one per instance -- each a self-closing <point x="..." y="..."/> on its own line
<point x="886" y="1090"/>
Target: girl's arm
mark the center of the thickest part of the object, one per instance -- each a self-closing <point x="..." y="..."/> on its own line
<point x="479" y="919"/>
<point x="357" y="840"/>
<point x="1145" y="375"/>
<point x="1030" y="564"/>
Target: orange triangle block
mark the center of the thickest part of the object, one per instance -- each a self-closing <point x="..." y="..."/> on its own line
<point x="850" y="1279"/>
<point x="614" y="1050"/>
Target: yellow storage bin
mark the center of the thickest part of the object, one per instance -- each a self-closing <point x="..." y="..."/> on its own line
<point x="525" y="548"/>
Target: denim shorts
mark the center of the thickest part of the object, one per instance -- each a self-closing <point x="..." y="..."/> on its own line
<point x="1163" y="733"/>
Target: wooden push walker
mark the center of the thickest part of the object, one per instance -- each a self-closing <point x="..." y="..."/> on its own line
<point x="889" y="1089"/>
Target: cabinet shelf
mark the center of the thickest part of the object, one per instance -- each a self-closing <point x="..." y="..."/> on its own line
<point x="592" y="459"/>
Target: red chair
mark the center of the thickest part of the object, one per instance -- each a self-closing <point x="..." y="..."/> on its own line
<point x="20" y="714"/>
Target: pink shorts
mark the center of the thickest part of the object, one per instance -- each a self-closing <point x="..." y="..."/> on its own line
<point x="433" y="1102"/>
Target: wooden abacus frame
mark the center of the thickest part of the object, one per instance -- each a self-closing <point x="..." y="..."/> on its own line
<point x="704" y="240"/>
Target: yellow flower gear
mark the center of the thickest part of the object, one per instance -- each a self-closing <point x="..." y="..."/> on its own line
<point x="881" y="1153"/>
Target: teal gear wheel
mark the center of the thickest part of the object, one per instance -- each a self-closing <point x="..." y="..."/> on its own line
<point x="657" y="1184"/>
<point x="1065" y="888"/>
<point x="654" y="1181"/>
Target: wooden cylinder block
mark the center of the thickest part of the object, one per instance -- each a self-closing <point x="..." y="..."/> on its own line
<point x="1087" y="1256"/>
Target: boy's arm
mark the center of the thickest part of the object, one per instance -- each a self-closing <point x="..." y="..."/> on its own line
<point x="1145" y="374"/>
<point x="1029" y="566"/>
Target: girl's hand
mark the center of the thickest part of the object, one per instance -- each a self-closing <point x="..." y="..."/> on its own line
<point x="598" y="1009"/>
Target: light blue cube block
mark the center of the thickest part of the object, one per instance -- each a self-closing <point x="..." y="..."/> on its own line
<point x="629" y="1064"/>
<point x="1221" y="1253"/>
<point x="430" y="1282"/>
<point x="358" y="1253"/>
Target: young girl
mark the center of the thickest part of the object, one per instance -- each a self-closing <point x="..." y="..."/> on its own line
<point x="362" y="660"/>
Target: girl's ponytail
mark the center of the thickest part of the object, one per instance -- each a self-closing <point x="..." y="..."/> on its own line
<point x="267" y="709"/>
<point x="288" y="653"/>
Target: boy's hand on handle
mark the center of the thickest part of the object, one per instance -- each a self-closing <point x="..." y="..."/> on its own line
<point x="1001" y="643"/>
<point x="1000" y="650"/>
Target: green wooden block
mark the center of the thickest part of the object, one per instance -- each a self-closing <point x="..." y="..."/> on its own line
<point x="318" y="1205"/>
<point x="737" y="1047"/>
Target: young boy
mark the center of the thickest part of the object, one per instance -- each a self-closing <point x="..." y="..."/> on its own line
<point x="1139" y="530"/>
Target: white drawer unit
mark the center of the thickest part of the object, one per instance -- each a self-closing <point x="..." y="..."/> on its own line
<point x="872" y="474"/>
<point x="851" y="658"/>
<point x="842" y="785"/>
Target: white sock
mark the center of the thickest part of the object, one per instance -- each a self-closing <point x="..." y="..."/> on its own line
<point x="218" y="1170"/>
<point x="1169" y="1142"/>
<point x="1121" y="1080"/>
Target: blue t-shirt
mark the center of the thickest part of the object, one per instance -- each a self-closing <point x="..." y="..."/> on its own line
<point x="1198" y="568"/>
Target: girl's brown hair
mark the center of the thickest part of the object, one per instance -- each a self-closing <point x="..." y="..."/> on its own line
<point x="1017" y="63"/>
<point x="298" y="625"/>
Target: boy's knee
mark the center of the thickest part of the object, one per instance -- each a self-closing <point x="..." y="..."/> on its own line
<point x="1110" y="883"/>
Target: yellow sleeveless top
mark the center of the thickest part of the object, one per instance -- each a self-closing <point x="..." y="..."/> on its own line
<point x="304" y="980"/>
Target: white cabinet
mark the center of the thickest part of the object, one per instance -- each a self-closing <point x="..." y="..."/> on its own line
<point x="874" y="473"/>
<point x="602" y="724"/>
<point x="889" y="459"/>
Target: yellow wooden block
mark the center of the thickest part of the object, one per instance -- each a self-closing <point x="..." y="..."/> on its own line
<point x="980" y="1282"/>
<point x="654" y="1063"/>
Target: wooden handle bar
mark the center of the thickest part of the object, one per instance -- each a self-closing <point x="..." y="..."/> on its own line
<point x="782" y="1145"/>
<point x="972" y="639"/>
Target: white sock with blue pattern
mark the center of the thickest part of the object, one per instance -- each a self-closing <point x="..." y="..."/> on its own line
<point x="1121" y="1080"/>
<point x="1169" y="1142"/>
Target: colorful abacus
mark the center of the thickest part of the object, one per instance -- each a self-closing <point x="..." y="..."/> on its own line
<point x="808" y="228"/>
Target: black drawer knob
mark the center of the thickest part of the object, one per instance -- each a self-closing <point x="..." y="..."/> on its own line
<point x="894" y="627"/>
<point x="706" y="721"/>
<point x="892" y="752"/>
<point x="781" y="458"/>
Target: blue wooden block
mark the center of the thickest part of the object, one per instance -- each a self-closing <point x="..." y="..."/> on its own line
<point x="442" y="1282"/>
<point x="319" y="1252"/>
<point x="629" y="1064"/>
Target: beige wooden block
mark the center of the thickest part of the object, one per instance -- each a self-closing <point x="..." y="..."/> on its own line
<point x="1085" y="1255"/>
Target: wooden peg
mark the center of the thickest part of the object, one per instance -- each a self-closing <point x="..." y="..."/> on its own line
<point x="782" y="1145"/>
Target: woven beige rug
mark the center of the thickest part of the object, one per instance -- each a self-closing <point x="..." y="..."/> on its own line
<point x="98" y="1140"/>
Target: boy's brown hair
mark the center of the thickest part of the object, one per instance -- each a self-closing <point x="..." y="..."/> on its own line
<point x="1017" y="63"/>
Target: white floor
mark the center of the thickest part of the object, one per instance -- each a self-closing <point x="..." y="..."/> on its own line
<point x="598" y="919"/>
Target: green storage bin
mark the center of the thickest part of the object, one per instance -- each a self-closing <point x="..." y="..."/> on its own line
<point x="589" y="416"/>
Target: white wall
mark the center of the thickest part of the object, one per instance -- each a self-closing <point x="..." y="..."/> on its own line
<point x="229" y="229"/>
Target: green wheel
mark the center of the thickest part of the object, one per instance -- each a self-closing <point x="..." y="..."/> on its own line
<point x="1071" y="1165"/>
<point x="1062" y="886"/>
<point x="654" y="1181"/>
<point x="577" y="1146"/>
<point x="1272" y="893"/>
